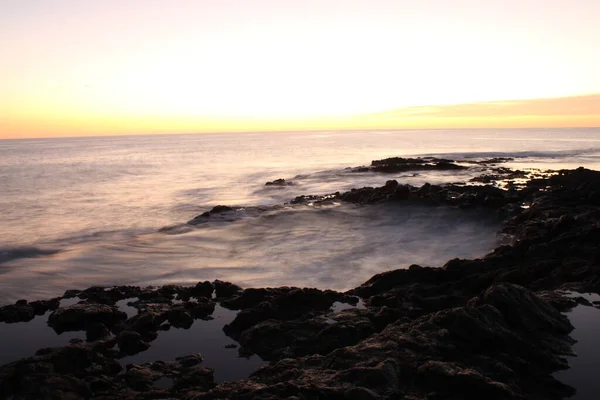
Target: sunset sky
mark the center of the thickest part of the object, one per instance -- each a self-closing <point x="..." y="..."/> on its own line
<point x="74" y="67"/>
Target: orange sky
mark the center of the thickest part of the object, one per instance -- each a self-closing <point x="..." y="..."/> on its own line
<point x="72" y="68"/>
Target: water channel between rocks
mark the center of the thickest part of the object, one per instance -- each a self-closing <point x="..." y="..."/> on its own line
<point x="584" y="367"/>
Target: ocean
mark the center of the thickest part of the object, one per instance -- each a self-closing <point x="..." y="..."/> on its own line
<point x="78" y="212"/>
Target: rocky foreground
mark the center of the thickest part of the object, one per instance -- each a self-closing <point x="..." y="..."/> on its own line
<point x="488" y="328"/>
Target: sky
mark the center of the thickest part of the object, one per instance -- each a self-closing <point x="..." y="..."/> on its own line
<point x="72" y="67"/>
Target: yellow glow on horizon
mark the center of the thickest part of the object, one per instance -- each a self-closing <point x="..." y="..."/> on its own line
<point x="582" y="111"/>
<point x="151" y="66"/>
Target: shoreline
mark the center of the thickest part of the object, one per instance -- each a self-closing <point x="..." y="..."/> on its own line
<point x="489" y="327"/>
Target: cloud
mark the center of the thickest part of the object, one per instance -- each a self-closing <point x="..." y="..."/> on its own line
<point x="553" y="107"/>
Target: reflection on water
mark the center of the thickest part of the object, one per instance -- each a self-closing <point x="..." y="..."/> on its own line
<point x="336" y="247"/>
<point x="206" y="338"/>
<point x="23" y="339"/>
<point x="583" y="371"/>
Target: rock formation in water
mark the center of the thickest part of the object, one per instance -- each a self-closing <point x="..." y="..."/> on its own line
<point x="486" y="328"/>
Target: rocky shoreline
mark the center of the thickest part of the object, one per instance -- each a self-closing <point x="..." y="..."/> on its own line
<point x="484" y="328"/>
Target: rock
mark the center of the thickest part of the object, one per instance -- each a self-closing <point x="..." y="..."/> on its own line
<point x="525" y="310"/>
<point x="399" y="164"/>
<point x="215" y="210"/>
<point x="69" y="294"/>
<point x="201" y="309"/>
<point x="190" y="361"/>
<point x="225" y="289"/>
<point x="249" y="298"/>
<point x="17" y="313"/>
<point x="131" y="343"/>
<point x="278" y="182"/>
<point x="143" y="323"/>
<point x="196" y="377"/>
<point x="81" y="316"/>
<point x="203" y="289"/>
<point x="96" y="331"/>
<point x="180" y="318"/>
<point x="140" y="377"/>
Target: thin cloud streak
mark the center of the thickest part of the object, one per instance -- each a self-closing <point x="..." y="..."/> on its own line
<point x="553" y="107"/>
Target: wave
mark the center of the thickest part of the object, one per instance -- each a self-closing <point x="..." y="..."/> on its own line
<point x="11" y="253"/>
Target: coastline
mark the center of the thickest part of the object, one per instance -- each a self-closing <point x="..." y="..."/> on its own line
<point x="486" y="327"/>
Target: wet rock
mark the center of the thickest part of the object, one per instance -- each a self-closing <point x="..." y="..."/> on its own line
<point x="200" y="309"/>
<point x="251" y="297"/>
<point x="215" y="210"/>
<point x="96" y="331"/>
<point x="399" y="164"/>
<point x="40" y="307"/>
<point x="178" y="317"/>
<point x="140" y="377"/>
<point x="524" y="309"/>
<point x="69" y="294"/>
<point x="279" y="182"/>
<point x="203" y="289"/>
<point x="81" y="316"/>
<point x="189" y="361"/>
<point x="197" y="377"/>
<point x="131" y="342"/>
<point x="17" y="313"/>
<point x="289" y="304"/>
<point x="225" y="289"/>
<point x="143" y="322"/>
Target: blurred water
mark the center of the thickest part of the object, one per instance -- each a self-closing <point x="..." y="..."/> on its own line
<point x="101" y="201"/>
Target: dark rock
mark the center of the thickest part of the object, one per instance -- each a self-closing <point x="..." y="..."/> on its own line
<point x="225" y="289"/>
<point x="215" y="210"/>
<point x="17" y="313"/>
<point x="131" y="342"/>
<point x="81" y="316"/>
<point x="399" y="164"/>
<point x="524" y="309"/>
<point x="96" y="331"/>
<point x="203" y="289"/>
<point x="69" y="294"/>
<point x="191" y="360"/>
<point x="249" y="298"/>
<point x="180" y="318"/>
<point x="201" y="309"/>
<point x="197" y="377"/>
<point x="278" y="182"/>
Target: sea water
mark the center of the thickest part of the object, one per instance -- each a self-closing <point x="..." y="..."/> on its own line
<point x="77" y="212"/>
